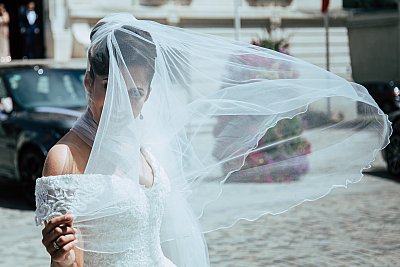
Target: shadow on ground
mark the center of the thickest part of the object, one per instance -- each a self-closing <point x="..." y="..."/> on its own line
<point x="381" y="172"/>
<point x="11" y="197"/>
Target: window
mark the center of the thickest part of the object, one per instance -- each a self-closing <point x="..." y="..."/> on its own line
<point x="3" y="91"/>
<point x="47" y="87"/>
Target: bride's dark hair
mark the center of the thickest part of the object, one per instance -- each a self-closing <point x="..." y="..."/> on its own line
<point x="136" y="48"/>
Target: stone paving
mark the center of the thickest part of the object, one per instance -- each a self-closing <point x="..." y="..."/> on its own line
<point x="359" y="226"/>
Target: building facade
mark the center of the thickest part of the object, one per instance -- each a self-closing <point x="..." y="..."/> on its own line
<point x="69" y="22"/>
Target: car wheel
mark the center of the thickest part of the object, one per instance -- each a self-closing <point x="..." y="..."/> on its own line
<point x="393" y="155"/>
<point x="30" y="168"/>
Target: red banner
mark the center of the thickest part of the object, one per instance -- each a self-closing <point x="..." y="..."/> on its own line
<point x="325" y="5"/>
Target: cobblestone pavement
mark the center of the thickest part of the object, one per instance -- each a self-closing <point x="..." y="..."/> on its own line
<point x="359" y="226"/>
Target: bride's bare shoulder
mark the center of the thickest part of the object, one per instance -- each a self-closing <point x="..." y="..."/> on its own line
<point x="65" y="157"/>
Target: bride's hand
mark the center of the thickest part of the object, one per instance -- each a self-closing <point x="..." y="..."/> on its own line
<point x="58" y="238"/>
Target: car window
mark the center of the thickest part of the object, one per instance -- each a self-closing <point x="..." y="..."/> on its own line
<point x="3" y="91"/>
<point x="47" y="87"/>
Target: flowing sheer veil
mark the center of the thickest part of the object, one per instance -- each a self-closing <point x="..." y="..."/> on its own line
<point x="241" y="131"/>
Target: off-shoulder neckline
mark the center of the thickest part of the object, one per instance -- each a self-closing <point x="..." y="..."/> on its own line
<point x="146" y="154"/>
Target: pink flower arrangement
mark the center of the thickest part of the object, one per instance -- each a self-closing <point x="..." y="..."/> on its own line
<point x="282" y="163"/>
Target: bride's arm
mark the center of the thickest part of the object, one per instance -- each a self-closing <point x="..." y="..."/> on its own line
<point x="60" y="229"/>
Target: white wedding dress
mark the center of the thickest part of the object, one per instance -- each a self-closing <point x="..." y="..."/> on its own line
<point x="137" y="227"/>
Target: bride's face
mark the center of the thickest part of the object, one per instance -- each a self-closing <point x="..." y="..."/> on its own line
<point x="138" y="91"/>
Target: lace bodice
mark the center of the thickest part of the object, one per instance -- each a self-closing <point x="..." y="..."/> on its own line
<point x="135" y="227"/>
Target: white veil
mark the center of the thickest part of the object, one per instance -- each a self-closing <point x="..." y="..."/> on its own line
<point x="241" y="131"/>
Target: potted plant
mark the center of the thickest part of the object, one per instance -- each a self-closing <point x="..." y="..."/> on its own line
<point x="280" y="155"/>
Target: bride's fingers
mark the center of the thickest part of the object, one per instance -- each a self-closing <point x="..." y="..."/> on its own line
<point x="64" y="219"/>
<point x="56" y="233"/>
<point x="65" y="239"/>
<point x="60" y="254"/>
<point x="57" y="244"/>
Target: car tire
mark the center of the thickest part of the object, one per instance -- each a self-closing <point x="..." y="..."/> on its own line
<point x="393" y="155"/>
<point x="30" y="168"/>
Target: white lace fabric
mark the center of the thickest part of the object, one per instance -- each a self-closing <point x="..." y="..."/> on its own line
<point x="137" y="225"/>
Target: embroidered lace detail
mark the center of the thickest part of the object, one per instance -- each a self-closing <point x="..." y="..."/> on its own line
<point x="55" y="195"/>
<point x="137" y="229"/>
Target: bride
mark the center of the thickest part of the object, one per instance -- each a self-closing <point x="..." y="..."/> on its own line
<point x="172" y="116"/>
<point x="69" y="158"/>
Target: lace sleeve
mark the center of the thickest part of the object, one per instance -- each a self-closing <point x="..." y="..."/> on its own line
<point x="52" y="200"/>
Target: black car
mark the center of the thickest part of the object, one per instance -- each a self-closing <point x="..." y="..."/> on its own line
<point x="39" y="102"/>
<point x="392" y="151"/>
<point x="386" y="94"/>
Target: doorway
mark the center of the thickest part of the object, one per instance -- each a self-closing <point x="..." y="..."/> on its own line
<point x="16" y="9"/>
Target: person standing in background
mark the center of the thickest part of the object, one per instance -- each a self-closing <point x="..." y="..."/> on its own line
<point x="4" y="34"/>
<point x="29" y="27"/>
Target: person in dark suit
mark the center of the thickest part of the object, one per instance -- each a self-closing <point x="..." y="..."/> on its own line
<point x="29" y="28"/>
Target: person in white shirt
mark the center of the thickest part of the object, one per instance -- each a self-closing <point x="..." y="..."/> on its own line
<point x="29" y="28"/>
